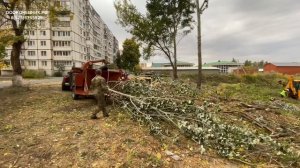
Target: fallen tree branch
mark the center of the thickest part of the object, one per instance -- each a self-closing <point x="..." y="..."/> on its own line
<point x="259" y="124"/>
<point x="144" y="103"/>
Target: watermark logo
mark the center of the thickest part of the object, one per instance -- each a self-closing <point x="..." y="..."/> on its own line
<point x="27" y="15"/>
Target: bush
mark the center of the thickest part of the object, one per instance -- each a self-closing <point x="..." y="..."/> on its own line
<point x="221" y="78"/>
<point x="58" y="74"/>
<point x="36" y="74"/>
<point x="270" y="80"/>
<point x="250" y="78"/>
<point x="264" y="79"/>
<point x="214" y="79"/>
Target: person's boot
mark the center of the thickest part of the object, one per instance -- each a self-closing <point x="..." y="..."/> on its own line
<point x="94" y="117"/>
<point x="105" y="115"/>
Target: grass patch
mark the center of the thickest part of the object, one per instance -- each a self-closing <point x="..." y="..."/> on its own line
<point x="214" y="79"/>
<point x="252" y="92"/>
<point x="34" y="74"/>
<point x="270" y="80"/>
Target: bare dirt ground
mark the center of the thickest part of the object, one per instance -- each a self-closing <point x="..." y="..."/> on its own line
<point x="43" y="127"/>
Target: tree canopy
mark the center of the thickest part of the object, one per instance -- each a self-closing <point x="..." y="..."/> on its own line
<point x="160" y="27"/>
<point x="130" y="57"/>
<point x="259" y="64"/>
<point x="6" y="38"/>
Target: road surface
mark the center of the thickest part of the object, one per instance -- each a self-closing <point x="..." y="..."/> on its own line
<point x="6" y="82"/>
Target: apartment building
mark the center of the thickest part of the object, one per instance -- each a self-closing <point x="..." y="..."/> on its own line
<point x="71" y="41"/>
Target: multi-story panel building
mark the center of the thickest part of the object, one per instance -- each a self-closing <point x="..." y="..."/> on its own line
<point x="71" y="41"/>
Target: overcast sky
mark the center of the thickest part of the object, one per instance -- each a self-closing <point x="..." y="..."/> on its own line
<point x="241" y="29"/>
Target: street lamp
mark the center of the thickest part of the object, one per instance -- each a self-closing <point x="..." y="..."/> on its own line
<point x="200" y="11"/>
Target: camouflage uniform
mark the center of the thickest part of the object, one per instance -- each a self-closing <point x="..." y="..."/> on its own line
<point x="100" y="88"/>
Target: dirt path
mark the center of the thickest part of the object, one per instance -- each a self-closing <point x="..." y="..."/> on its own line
<point x="44" y="127"/>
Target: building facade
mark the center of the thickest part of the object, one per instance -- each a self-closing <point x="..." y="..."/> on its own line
<point x="70" y="41"/>
<point x="168" y="71"/>
<point x="168" y="64"/>
<point x="284" y="68"/>
<point x="224" y="66"/>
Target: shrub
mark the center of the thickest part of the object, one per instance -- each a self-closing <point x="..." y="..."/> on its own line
<point x="270" y="80"/>
<point x="36" y="74"/>
<point x="58" y="74"/>
<point x="249" y="78"/>
<point x="214" y="79"/>
<point x="264" y="79"/>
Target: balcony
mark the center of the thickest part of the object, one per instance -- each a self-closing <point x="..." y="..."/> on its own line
<point x="62" y="38"/>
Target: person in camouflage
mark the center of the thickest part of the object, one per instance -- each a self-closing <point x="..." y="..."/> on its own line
<point x="100" y="88"/>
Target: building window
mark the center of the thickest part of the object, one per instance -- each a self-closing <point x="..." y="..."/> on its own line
<point x="31" y="63"/>
<point x="31" y="33"/>
<point x="43" y="33"/>
<point x="43" y="53"/>
<point x="44" y="63"/>
<point x="61" y="43"/>
<point x="42" y="23"/>
<point x="31" y="53"/>
<point x="62" y="53"/>
<point x="61" y="33"/>
<point x="62" y="24"/>
<point x="31" y="43"/>
<point x="66" y="63"/>
<point x="43" y="43"/>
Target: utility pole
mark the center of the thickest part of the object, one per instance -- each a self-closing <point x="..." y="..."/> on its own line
<point x="200" y="11"/>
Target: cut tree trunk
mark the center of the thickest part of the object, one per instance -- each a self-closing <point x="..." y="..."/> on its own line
<point x="175" y="75"/>
<point x="200" y="75"/>
<point x="17" y="79"/>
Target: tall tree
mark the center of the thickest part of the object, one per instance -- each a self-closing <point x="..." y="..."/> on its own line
<point x="261" y="64"/>
<point x="234" y="60"/>
<point x="29" y="9"/>
<point x="131" y="55"/>
<point x="200" y="10"/>
<point x="248" y="63"/>
<point x="159" y="29"/>
<point x="117" y="61"/>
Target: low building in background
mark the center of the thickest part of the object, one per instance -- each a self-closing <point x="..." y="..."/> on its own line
<point x="145" y="64"/>
<point x="168" y="71"/>
<point x="179" y="64"/>
<point x="224" y="66"/>
<point x="183" y="68"/>
<point x="284" y="68"/>
<point x="243" y="70"/>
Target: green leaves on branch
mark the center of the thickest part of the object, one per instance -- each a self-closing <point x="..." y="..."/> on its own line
<point x="56" y="10"/>
<point x="167" y="102"/>
<point x="130" y="57"/>
<point x="159" y="27"/>
<point x="6" y="39"/>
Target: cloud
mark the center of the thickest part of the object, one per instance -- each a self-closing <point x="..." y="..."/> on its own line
<point x="255" y="30"/>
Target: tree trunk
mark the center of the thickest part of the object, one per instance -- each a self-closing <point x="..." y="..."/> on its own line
<point x="17" y="79"/>
<point x="175" y="75"/>
<point x="199" y="82"/>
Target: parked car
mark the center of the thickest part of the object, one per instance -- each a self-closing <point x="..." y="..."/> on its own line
<point x="66" y="82"/>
